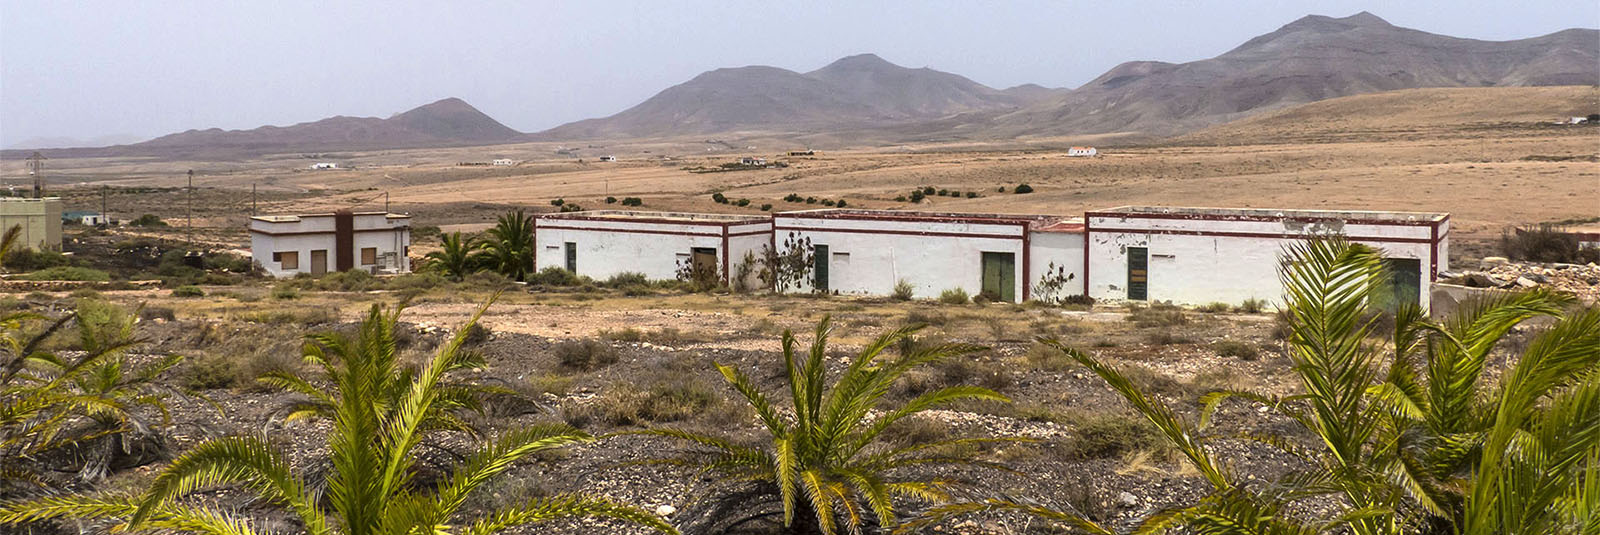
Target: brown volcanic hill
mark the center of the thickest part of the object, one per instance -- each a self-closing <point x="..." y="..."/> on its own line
<point x="448" y="122"/>
<point x="854" y="92"/>
<point x="1412" y="114"/>
<point x="1310" y="59"/>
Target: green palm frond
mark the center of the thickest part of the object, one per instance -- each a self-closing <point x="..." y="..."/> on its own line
<point x="565" y="506"/>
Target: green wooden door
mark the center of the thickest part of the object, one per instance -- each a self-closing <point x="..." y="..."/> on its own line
<point x="1000" y="276"/>
<point x="820" y="259"/>
<point x="572" y="257"/>
<point x="1405" y="283"/>
<point x="1138" y="274"/>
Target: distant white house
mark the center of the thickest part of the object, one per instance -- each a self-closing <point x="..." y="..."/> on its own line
<point x="286" y="245"/>
<point x="504" y="162"/>
<point x="660" y="245"/>
<point x="1578" y="120"/>
<point x="752" y="161"/>
<point x="324" y="165"/>
<point x="1082" y="151"/>
<point x="608" y="158"/>
<point x="84" y="218"/>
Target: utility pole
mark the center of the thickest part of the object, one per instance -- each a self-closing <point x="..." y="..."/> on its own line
<point x="386" y="203"/>
<point x="105" y="219"/>
<point x="189" y="214"/>
<point x="252" y="199"/>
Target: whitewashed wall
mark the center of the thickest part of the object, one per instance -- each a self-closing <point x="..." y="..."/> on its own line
<point x="386" y="234"/>
<point x="1199" y="269"/>
<point x="867" y="256"/>
<point x="1063" y="249"/>
<point x="609" y="247"/>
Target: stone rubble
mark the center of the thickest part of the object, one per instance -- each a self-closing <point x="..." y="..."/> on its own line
<point x="1581" y="280"/>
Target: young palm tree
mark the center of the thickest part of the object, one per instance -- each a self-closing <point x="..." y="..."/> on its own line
<point x="371" y="490"/>
<point x="823" y="463"/>
<point x="509" y="247"/>
<point x="78" y="413"/>
<point x="8" y="241"/>
<point x="455" y="258"/>
<point x="1419" y="431"/>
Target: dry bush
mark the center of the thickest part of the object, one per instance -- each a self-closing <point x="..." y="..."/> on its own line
<point x="1047" y="358"/>
<point x="1103" y="434"/>
<point x="676" y="399"/>
<point x="587" y="354"/>
<point x="932" y="318"/>
<point x="1157" y="316"/>
<point x="920" y="429"/>
<point x="954" y="296"/>
<point x="289" y="316"/>
<point x="1215" y="308"/>
<point x="1237" y="349"/>
<point x="1166" y="338"/>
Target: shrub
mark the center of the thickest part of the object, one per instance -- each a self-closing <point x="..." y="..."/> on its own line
<point x="1045" y="357"/>
<point x="554" y="276"/>
<point x="1546" y="243"/>
<point x="667" y="401"/>
<point x="1251" y="306"/>
<point x="1157" y="316"/>
<point x="944" y="193"/>
<point x="1001" y="189"/>
<point x="904" y="290"/>
<point x="208" y="373"/>
<point x="793" y="197"/>
<point x="917" y="196"/>
<point x="742" y="203"/>
<point x="929" y="190"/>
<point x="548" y="383"/>
<point x="827" y="202"/>
<point x="626" y="278"/>
<point x="68" y="273"/>
<point x="1215" y="308"/>
<point x="719" y="198"/>
<point x="285" y="291"/>
<point x="558" y="202"/>
<point x="1110" y="434"/>
<point x="27" y="259"/>
<point x="1165" y="338"/>
<point x="1023" y="188"/>
<point x="627" y="334"/>
<point x="611" y="200"/>
<point x="632" y="201"/>
<point x="954" y="296"/>
<point x="842" y="204"/>
<point x="290" y="316"/>
<point x="149" y="313"/>
<point x="918" y="430"/>
<point x="486" y="280"/>
<point x="148" y="220"/>
<point x="586" y="355"/>
<point x="354" y="280"/>
<point x="901" y="198"/>
<point x="766" y="207"/>
<point x="188" y="291"/>
<point x="972" y="195"/>
<point x="476" y="334"/>
<point x="811" y="200"/>
<point x="1237" y="349"/>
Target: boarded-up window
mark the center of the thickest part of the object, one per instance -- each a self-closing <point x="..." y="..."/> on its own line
<point x="369" y="256"/>
<point x="287" y="259"/>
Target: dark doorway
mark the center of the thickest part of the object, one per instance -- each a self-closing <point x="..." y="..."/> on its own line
<point x="820" y="258"/>
<point x="319" y="262"/>
<point x="1404" y="283"/>
<point x="344" y="240"/>
<point x="1138" y="274"/>
<point x="572" y="257"/>
<point x="703" y="265"/>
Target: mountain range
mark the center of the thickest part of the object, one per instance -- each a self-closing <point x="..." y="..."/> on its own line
<point x="1310" y="59"/>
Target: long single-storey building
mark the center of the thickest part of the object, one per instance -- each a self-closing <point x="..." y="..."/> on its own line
<point x="868" y="251"/>
<point x="286" y="245"/>
<point x="1202" y="255"/>
<point x="603" y="243"/>
<point x="40" y="220"/>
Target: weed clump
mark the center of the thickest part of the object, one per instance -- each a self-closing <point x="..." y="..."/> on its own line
<point x="1236" y="349"/>
<point x="586" y="355"/>
<point x="954" y="296"/>
<point x="904" y="290"/>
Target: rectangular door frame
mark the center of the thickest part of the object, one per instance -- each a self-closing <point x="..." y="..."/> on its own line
<point x="1139" y="276"/>
<point x="571" y="249"/>
<point x="821" y="278"/>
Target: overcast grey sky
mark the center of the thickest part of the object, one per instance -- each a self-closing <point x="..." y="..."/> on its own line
<point x="88" y="69"/>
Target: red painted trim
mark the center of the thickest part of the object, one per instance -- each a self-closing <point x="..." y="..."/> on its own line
<point x="901" y="232"/>
<point x="1433" y="254"/>
<point x="1259" y="235"/>
<point x="568" y="216"/>
<point x="1086" y="242"/>
<point x="772" y="241"/>
<point x="1027" y="264"/>
<point x="1257" y="218"/>
<point x="328" y="232"/>
<point x="536" y="246"/>
<point x="636" y="231"/>
<point x="923" y="217"/>
<point x="724" y="259"/>
<point x="751" y="233"/>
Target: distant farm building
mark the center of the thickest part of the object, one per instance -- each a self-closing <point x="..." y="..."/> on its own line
<point x="867" y="252"/>
<point x="40" y="220"/>
<point x="1203" y="255"/>
<point x="324" y="165"/>
<point x="807" y="152"/>
<point x="287" y="245"/>
<point x="1082" y="151"/>
<point x="608" y="158"/>
<point x="82" y="217"/>
<point x="661" y="245"/>
<point x="757" y="162"/>
<point x="1578" y="120"/>
<point x="503" y="162"/>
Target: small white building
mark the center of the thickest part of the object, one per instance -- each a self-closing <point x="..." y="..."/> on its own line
<point x="1082" y="151"/>
<point x="504" y="162"/>
<point x="1205" y="255"/>
<point x="603" y="243"/>
<point x="608" y="158"/>
<point x="757" y="162"/>
<point x="1578" y="120"/>
<point x="286" y="245"/>
<point x="867" y="252"/>
<point x="324" y="165"/>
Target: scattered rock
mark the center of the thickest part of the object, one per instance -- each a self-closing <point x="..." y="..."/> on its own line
<point x="1127" y="499"/>
<point x="665" y="510"/>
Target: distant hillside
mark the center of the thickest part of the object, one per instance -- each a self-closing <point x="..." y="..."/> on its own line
<point x="1311" y="59"/>
<point x="448" y="122"/>
<point x="853" y="92"/>
<point x="1409" y="114"/>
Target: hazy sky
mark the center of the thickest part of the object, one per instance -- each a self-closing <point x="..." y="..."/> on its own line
<point x="94" y="68"/>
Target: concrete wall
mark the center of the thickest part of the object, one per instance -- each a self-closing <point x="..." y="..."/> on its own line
<point x="1064" y="251"/>
<point x="868" y="256"/>
<point x="1202" y="261"/>
<point x="40" y="220"/>
<point x="656" y="249"/>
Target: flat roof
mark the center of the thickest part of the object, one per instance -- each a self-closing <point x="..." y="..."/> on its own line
<point x="657" y="217"/>
<point x="290" y="218"/>
<point x="28" y="199"/>
<point x="1271" y="213"/>
<point x="1035" y="220"/>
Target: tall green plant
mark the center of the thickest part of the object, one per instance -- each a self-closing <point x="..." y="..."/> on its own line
<point x="454" y="259"/>
<point x="824" y="463"/>
<point x="372" y="488"/>
<point x="509" y="247"/>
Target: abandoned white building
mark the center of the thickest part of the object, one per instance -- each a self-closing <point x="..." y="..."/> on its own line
<point x="752" y="161"/>
<point x="504" y="162"/>
<point x="324" y="165"/>
<point x="608" y="158"/>
<point x="867" y="252"/>
<point x="1082" y="151"/>
<point x="1203" y="255"/>
<point x="286" y="245"/>
<point x="603" y="243"/>
<point x="39" y="220"/>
